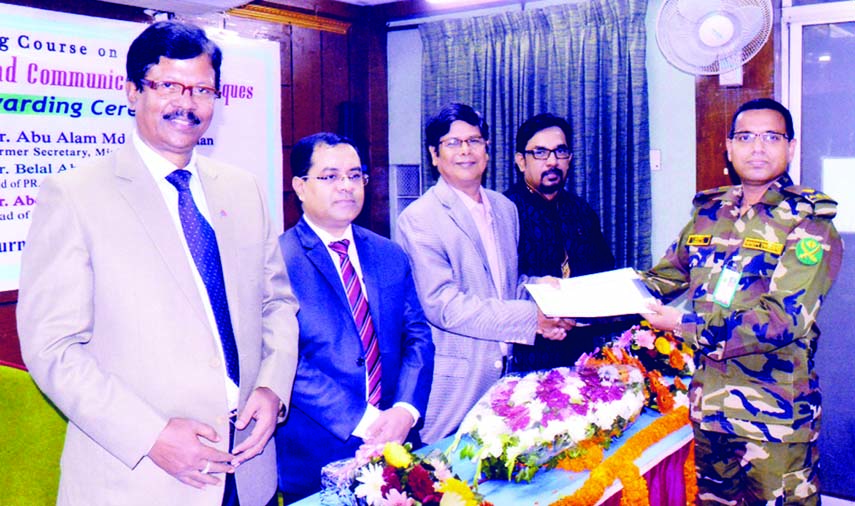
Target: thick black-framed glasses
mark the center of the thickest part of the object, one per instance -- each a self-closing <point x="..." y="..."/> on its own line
<point x="561" y="153"/>
<point x="175" y="89"/>
<point x="770" y="137"/>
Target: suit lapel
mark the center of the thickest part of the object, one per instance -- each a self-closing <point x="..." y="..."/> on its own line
<point x="461" y="217"/>
<point x="141" y="192"/>
<point x="370" y="271"/>
<point x="503" y="225"/>
<point x="317" y="253"/>
<point x="218" y="196"/>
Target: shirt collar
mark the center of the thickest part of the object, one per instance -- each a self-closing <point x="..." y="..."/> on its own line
<point x="159" y="166"/>
<point x="470" y="203"/>
<point x="327" y="237"/>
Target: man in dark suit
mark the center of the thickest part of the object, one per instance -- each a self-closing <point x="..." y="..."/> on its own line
<point x="364" y="373"/>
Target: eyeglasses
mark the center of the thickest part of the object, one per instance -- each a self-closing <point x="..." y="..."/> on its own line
<point x="357" y="178"/>
<point x="769" y="138"/>
<point x="561" y="153"/>
<point x="455" y="144"/>
<point x="171" y="89"/>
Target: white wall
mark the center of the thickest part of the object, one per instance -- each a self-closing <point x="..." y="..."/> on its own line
<point x="672" y="125"/>
<point x="671" y="102"/>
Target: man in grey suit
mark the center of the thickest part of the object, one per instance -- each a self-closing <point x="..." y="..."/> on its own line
<point x="154" y="307"/>
<point x="462" y="242"/>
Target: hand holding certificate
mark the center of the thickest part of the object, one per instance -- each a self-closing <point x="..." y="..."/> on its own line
<point x="610" y="293"/>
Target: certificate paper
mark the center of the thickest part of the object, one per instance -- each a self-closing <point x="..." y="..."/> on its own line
<point x="610" y="293"/>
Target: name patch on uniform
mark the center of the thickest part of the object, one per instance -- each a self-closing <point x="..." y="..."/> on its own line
<point x="809" y="251"/>
<point x="699" y="240"/>
<point x="775" y="248"/>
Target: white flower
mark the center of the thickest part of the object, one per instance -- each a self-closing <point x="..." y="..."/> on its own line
<point x="372" y="481"/>
<point x="536" y="407"/>
<point x="577" y="428"/>
<point x="605" y="414"/>
<point x="525" y="390"/>
<point x="635" y="376"/>
<point x="608" y="374"/>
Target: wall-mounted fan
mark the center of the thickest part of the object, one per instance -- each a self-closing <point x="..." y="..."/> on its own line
<point x="712" y="36"/>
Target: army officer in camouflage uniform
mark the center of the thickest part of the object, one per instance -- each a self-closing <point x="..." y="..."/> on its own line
<point x="756" y="260"/>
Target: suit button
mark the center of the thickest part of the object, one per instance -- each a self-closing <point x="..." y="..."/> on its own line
<point x="497" y="364"/>
<point x="214" y="363"/>
<point x="360" y="362"/>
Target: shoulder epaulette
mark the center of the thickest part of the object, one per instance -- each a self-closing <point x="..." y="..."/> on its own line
<point x="823" y="205"/>
<point x="707" y="195"/>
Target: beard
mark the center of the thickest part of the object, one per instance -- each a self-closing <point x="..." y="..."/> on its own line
<point x="547" y="187"/>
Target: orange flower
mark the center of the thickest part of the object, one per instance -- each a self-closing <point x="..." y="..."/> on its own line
<point x="679" y="384"/>
<point x="663" y="395"/>
<point x="676" y="360"/>
<point x="690" y="477"/>
<point x="590" y="457"/>
<point x="621" y="465"/>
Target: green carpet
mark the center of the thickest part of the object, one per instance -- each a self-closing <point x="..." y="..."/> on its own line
<point x="32" y="432"/>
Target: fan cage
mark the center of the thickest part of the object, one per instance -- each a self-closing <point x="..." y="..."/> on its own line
<point x="672" y="27"/>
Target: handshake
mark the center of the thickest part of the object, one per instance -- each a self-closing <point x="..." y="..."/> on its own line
<point x="553" y="328"/>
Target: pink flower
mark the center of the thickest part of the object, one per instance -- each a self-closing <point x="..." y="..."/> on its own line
<point x="367" y="452"/>
<point x="625" y="339"/>
<point x="645" y="339"/>
<point x="397" y="498"/>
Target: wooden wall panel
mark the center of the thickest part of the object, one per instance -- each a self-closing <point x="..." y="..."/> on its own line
<point x="715" y="106"/>
<point x="369" y="83"/>
<point x="308" y="83"/>
<point x="335" y="79"/>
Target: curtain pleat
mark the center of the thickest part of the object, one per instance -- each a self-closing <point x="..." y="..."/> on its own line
<point x="584" y="61"/>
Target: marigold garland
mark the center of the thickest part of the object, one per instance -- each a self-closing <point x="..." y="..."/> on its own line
<point x="690" y="476"/>
<point x="621" y="466"/>
<point x="591" y="456"/>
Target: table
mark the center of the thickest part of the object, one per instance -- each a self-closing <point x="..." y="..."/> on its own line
<point x="661" y="464"/>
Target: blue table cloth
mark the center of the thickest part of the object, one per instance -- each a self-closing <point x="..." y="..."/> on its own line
<point x="549" y="486"/>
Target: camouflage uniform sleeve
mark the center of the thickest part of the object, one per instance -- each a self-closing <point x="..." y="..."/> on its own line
<point x="670" y="277"/>
<point x="788" y="311"/>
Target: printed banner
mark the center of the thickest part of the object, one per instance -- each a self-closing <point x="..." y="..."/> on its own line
<point x="62" y="101"/>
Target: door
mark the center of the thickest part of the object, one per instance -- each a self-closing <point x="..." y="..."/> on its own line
<point x="819" y="86"/>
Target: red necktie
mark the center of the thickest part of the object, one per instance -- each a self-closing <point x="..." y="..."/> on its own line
<point x="362" y="317"/>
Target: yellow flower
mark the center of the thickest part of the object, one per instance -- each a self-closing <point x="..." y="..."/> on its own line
<point x="662" y="346"/>
<point x="455" y="491"/>
<point x="396" y="455"/>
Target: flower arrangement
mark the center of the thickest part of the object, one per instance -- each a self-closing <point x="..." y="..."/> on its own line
<point x="392" y="475"/>
<point x="524" y="424"/>
<point x="660" y="354"/>
<point x="658" y="350"/>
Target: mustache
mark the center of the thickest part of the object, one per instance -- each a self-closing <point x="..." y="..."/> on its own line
<point x="182" y="113"/>
<point x="552" y="172"/>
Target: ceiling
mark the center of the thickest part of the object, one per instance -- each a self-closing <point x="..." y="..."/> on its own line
<point x="209" y="6"/>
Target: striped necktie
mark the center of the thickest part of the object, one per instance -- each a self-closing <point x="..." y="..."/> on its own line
<point x="362" y="317"/>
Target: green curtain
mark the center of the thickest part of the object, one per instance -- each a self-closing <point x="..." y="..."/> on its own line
<point x="584" y="61"/>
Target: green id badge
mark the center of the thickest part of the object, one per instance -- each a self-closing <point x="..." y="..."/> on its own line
<point x="725" y="289"/>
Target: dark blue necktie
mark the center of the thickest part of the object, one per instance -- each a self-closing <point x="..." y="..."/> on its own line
<point x="206" y="255"/>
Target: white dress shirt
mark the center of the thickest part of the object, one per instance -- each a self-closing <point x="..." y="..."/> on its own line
<point x="482" y="215"/>
<point x="371" y="411"/>
<point x="160" y="167"/>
